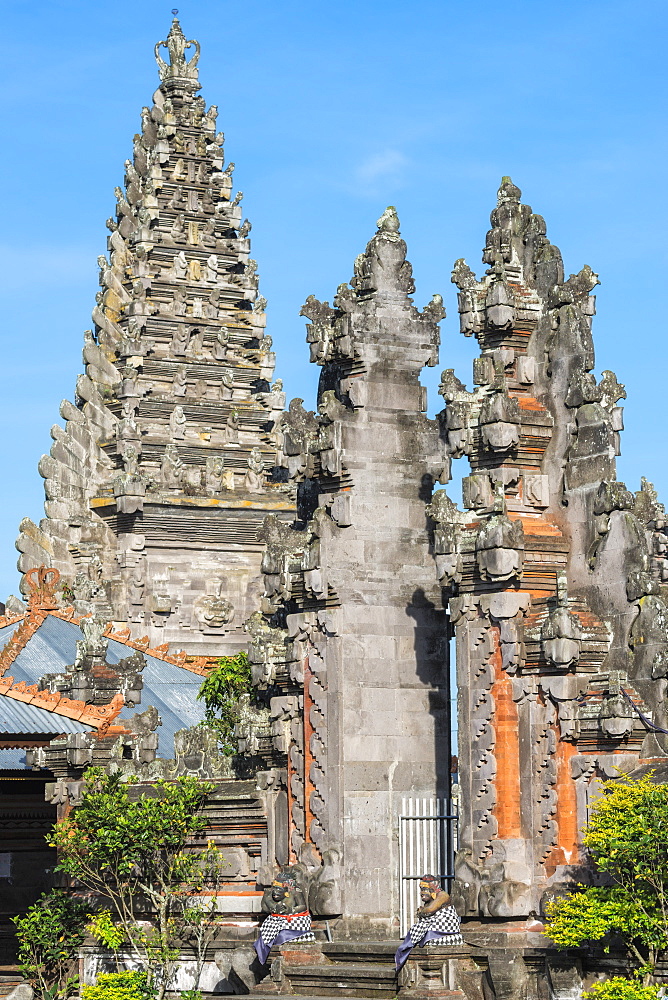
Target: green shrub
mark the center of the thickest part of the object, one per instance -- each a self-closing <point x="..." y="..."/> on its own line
<point x="620" y="988"/>
<point x="126" y="985"/>
<point x="220" y="692"/>
<point x="49" y="935"/>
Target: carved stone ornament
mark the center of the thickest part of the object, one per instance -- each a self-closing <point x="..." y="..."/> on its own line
<point x="446" y="536"/>
<point x="213" y="611"/>
<point x="178" y="68"/>
<point x="500" y="422"/>
<point x="561" y="634"/>
<point x="499" y="548"/>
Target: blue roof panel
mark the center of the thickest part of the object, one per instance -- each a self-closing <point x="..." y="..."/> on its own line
<point x="13" y="759"/>
<point x="171" y="689"/>
<point x="17" y="717"/>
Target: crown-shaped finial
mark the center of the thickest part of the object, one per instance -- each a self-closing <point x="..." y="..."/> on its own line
<point x="178" y="68"/>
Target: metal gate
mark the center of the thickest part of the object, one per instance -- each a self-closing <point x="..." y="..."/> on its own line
<point x="427" y="844"/>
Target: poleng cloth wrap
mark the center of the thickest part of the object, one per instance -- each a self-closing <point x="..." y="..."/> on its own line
<point x="442" y="927"/>
<point x="280" y="927"/>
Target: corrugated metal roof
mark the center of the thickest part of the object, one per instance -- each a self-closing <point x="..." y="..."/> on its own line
<point x="13" y="759"/>
<point x="171" y="689"/>
<point x="49" y="651"/>
<point x="17" y="717"/>
<point x="6" y="632"/>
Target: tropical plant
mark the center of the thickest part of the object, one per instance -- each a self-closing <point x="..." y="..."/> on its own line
<point x="135" y="852"/>
<point x="220" y="692"/>
<point x="110" y="934"/>
<point x="621" y="988"/>
<point x="627" y="839"/>
<point x="49" y="934"/>
<point x="126" y="985"/>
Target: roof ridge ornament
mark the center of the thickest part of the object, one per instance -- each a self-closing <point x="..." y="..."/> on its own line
<point x="178" y="68"/>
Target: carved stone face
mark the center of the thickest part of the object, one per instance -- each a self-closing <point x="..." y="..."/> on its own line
<point x="278" y="893"/>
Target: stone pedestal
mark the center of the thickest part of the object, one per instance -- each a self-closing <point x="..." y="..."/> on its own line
<point x="441" y="972"/>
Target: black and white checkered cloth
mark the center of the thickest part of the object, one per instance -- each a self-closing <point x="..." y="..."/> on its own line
<point x="276" y="922"/>
<point x="445" y="922"/>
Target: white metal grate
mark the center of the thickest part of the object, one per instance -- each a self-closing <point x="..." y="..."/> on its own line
<point x="427" y="844"/>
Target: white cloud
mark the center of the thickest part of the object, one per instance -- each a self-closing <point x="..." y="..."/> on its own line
<point x="385" y="169"/>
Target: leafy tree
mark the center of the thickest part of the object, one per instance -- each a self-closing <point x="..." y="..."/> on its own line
<point x="220" y="692"/>
<point x="134" y="853"/>
<point x="627" y="838"/>
<point x="49" y="934"/>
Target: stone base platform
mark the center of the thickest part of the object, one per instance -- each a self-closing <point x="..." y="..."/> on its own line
<point x="366" y="969"/>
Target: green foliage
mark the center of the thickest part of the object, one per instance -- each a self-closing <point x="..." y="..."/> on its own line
<point x="104" y="930"/>
<point x="596" y="913"/>
<point x="620" y="988"/>
<point x="49" y="934"/>
<point x="220" y="692"/>
<point x="119" y="986"/>
<point x="132" y="851"/>
<point x="627" y="837"/>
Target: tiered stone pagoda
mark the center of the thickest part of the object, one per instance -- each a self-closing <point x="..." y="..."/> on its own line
<point x="162" y="474"/>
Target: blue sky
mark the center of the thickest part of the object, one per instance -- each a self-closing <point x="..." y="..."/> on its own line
<point x="331" y="112"/>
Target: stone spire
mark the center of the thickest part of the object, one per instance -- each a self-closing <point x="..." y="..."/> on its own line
<point x="353" y="651"/>
<point x="163" y="473"/>
<point x="555" y="574"/>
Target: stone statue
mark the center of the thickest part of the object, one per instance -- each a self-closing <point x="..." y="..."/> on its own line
<point x="178" y="227"/>
<point x="181" y="340"/>
<point x="180" y="384"/>
<point x="212" y="268"/>
<point x="171" y="468"/>
<point x="179" y="304"/>
<point x="288" y="917"/>
<point x="209" y="120"/>
<point x="177" y="423"/>
<point x="212" y="305"/>
<point x="215" y="469"/>
<point x="232" y="428"/>
<point x="437" y="921"/>
<point x="130" y="460"/>
<point x="221" y="345"/>
<point x="179" y="267"/>
<point x="127" y="429"/>
<point x="253" y="477"/>
<point x="208" y="235"/>
<point x="227" y="384"/>
<point x="177" y="198"/>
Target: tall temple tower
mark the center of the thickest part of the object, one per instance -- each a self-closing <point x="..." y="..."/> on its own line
<point x="355" y="647"/>
<point x="162" y="476"/>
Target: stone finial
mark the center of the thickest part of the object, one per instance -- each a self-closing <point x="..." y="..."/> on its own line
<point x="389" y="221"/>
<point x="178" y="68"/>
<point x="508" y="191"/>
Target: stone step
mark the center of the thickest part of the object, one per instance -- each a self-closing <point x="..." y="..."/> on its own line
<point x="8" y="982"/>
<point x="346" y="979"/>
